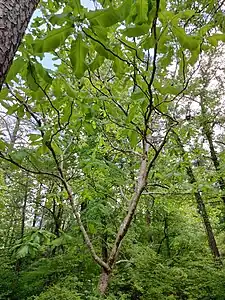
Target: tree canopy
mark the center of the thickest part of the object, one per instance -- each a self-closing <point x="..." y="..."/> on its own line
<point x="112" y="153"/>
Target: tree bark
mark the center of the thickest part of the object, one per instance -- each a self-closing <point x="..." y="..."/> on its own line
<point x="104" y="282"/>
<point x="14" y="18"/>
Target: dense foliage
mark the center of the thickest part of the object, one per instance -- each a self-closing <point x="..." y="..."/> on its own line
<point x="112" y="174"/>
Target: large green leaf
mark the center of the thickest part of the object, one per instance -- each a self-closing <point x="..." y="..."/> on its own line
<point x="119" y="66"/>
<point x="78" y="53"/>
<point x="213" y="40"/>
<point x="53" y="40"/>
<point x="133" y="138"/>
<point x="32" y="80"/>
<point x="110" y="16"/>
<point x="103" y="52"/>
<point x="59" y="19"/>
<point x="190" y="42"/>
<point x="97" y="62"/>
<point x="16" y="67"/>
<point x="2" y="145"/>
<point x="104" y="17"/>
<point x="142" y="11"/>
<point x="124" y="9"/>
<point x="22" y="251"/>
<point x="43" y="73"/>
<point x="135" y="31"/>
<point x="77" y="7"/>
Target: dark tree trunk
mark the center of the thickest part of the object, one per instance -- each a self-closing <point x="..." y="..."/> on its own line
<point x="14" y="18"/>
<point x="201" y="206"/>
<point x="207" y="130"/>
<point x="203" y="212"/>
<point x="37" y="204"/>
<point x="166" y="229"/>
<point x="104" y="239"/>
<point x="208" y="228"/>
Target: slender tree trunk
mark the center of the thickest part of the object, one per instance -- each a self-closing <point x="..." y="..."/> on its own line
<point x="14" y="18"/>
<point x="24" y="208"/>
<point x="104" y="241"/>
<point x="38" y="200"/>
<point x="42" y="219"/>
<point x="201" y="206"/>
<point x="209" y="136"/>
<point x="166" y="229"/>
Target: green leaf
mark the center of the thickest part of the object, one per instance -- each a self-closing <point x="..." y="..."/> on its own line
<point x="132" y="112"/>
<point x="213" y="41"/>
<point x="23" y="251"/>
<point x="56" y="148"/>
<point x="142" y="10"/>
<point x="103" y="52"/>
<point x="100" y="32"/>
<point x="133" y="137"/>
<point x="16" y="67"/>
<point x="19" y="155"/>
<point x="66" y="113"/>
<point x="124" y="9"/>
<point x="78" y="53"/>
<point x="137" y="95"/>
<point x="135" y="31"/>
<point x="20" y="111"/>
<point x="194" y="57"/>
<point x="77" y="7"/>
<point x="3" y="95"/>
<point x="188" y="13"/>
<point x="97" y="62"/>
<point x="118" y="66"/>
<point x="69" y="90"/>
<point x="43" y="73"/>
<point x="34" y="137"/>
<point x="12" y="109"/>
<point x="187" y="41"/>
<point x="104" y="17"/>
<point x="149" y="43"/>
<point x="2" y="145"/>
<point x="53" y="40"/>
<point x="59" y="19"/>
<point x="89" y="128"/>
<point x="192" y="43"/>
<point x="32" y="80"/>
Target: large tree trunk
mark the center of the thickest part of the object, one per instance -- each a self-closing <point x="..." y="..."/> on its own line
<point x="14" y="18"/>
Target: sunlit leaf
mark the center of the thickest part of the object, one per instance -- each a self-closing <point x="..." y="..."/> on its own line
<point x="16" y="68"/>
<point x="53" y="40"/>
<point x="142" y="11"/>
<point x="137" y="30"/>
<point x="78" y="53"/>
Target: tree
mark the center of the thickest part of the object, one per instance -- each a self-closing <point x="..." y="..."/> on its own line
<point x="99" y="123"/>
<point x="15" y="16"/>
